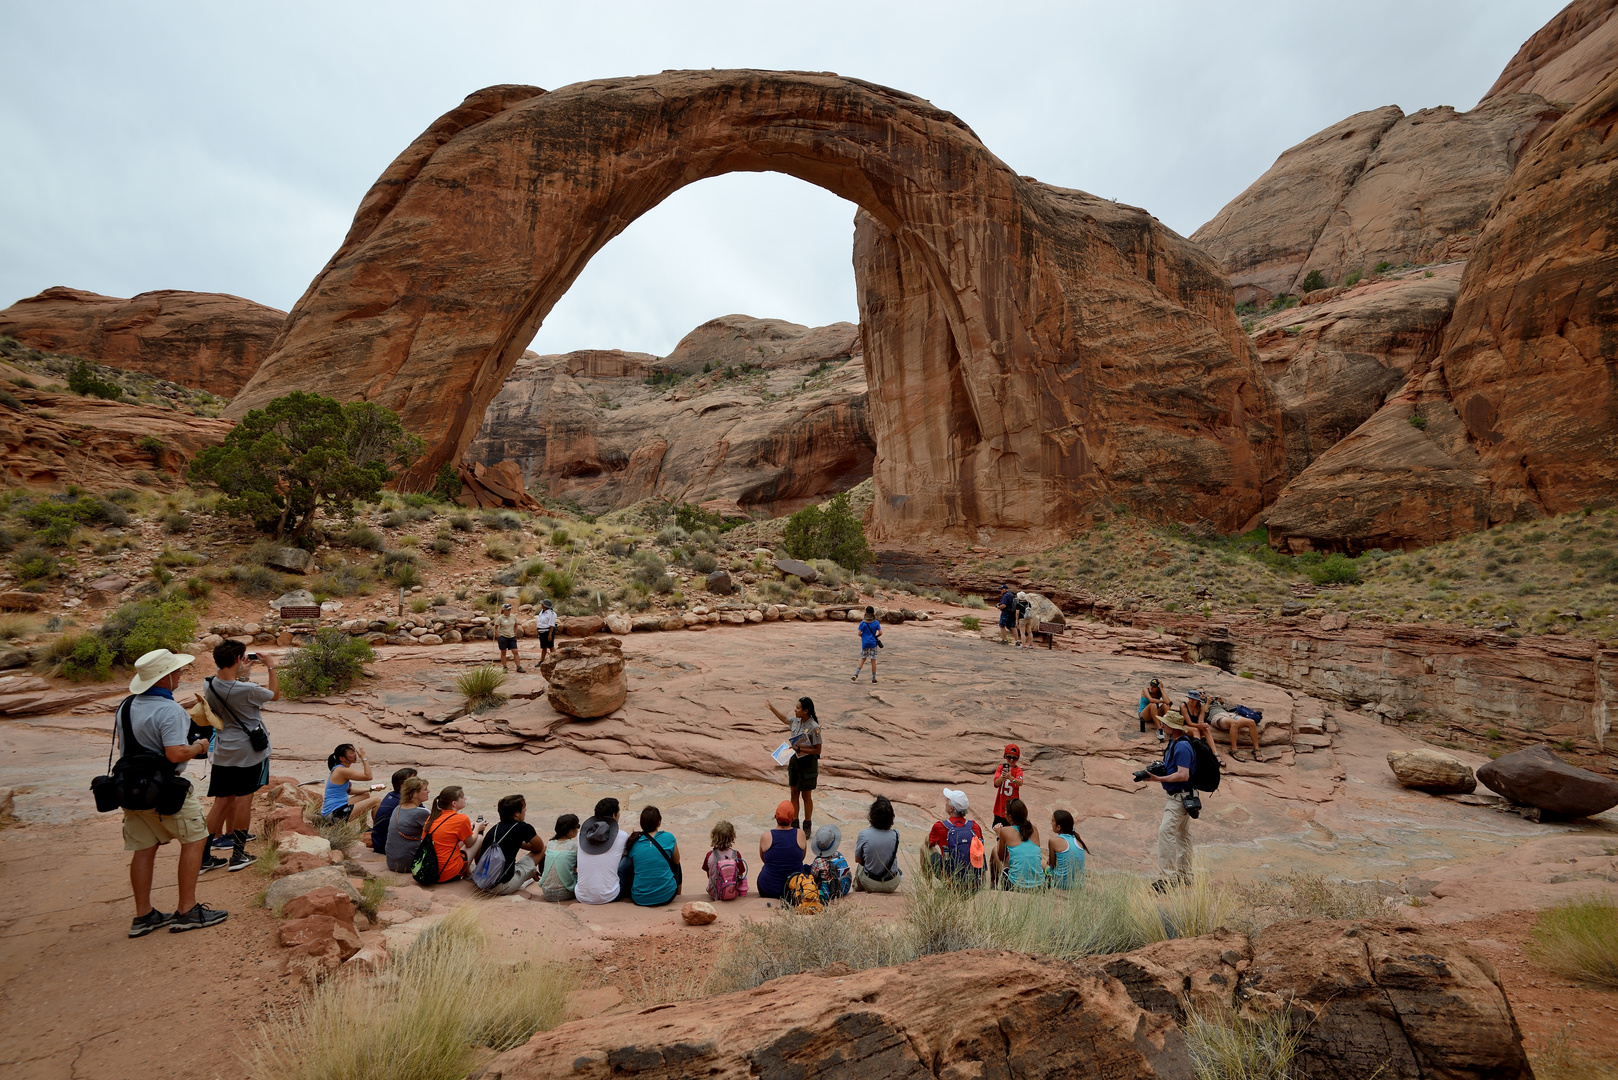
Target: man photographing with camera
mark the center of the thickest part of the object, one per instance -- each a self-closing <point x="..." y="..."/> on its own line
<point x="1174" y="773"/>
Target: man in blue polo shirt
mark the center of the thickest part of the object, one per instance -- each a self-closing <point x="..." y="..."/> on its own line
<point x="1174" y="835"/>
<point x="1008" y="613"/>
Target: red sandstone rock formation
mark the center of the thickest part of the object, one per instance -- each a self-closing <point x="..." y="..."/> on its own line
<point x="1031" y="351"/>
<point x="211" y="341"/>
<point x="588" y="426"/>
<point x="1568" y="57"/>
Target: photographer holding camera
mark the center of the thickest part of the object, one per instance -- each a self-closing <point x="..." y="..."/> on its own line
<point x="1174" y="773"/>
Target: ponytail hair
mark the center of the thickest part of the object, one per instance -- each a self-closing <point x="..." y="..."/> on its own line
<point x="809" y="707"/>
<point x="335" y="758"/>
<point x="445" y="802"/>
<point x="1018" y="813"/>
<point x="1063" y="822"/>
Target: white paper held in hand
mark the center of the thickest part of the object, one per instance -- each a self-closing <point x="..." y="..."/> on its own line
<point x="783" y="753"/>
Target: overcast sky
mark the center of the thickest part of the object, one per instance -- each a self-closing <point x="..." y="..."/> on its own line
<point x="224" y="147"/>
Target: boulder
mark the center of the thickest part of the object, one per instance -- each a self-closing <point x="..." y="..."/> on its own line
<point x="619" y="623"/>
<point x="719" y="583"/>
<point x="109" y="585"/>
<point x="296" y="885"/>
<point x="645" y="623"/>
<point x="698" y="913"/>
<point x="290" y="560"/>
<point x="305" y="843"/>
<point x="312" y="928"/>
<point x="315" y="961"/>
<point x="17" y="600"/>
<point x="586" y="678"/>
<point x="800" y="570"/>
<point x="1040" y="608"/>
<point x="1394" y="994"/>
<point x="295" y="598"/>
<point x="325" y="900"/>
<point x="370" y="960"/>
<point x="582" y="625"/>
<point x="1534" y="776"/>
<point x="299" y="862"/>
<point x="1335" y="620"/>
<point x="1428" y="770"/>
<point x="1290" y="608"/>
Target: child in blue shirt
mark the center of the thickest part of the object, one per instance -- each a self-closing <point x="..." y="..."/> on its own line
<point x="870" y="642"/>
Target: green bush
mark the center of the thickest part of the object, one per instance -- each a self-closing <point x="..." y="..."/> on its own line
<point x="303" y="453"/>
<point x="328" y="664"/>
<point x="1313" y="280"/>
<point x="460" y="522"/>
<point x="447" y="482"/>
<point x="559" y="583"/>
<point x="82" y="381"/>
<point x="1384" y="266"/>
<point x="442" y="546"/>
<point x="703" y="562"/>
<point x="55" y="518"/>
<point x="834" y="533"/>
<point x="1354" y="277"/>
<point x="33" y="563"/>
<point x="91" y="659"/>
<point x="1334" y="569"/>
<point x="691" y="518"/>
<point x="480" y="687"/>
<point x="971" y="622"/>
<point x="1579" y="939"/>
<point x="255" y="580"/>
<point x="9" y="400"/>
<point x="176" y="522"/>
<point x="165" y="622"/>
<point x="150" y="444"/>
<point x="361" y="537"/>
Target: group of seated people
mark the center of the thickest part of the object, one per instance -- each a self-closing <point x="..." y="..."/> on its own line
<point x="957" y="851"/>
<point x="1203" y="714"/>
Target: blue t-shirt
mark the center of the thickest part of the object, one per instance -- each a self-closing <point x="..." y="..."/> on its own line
<point x="868" y="631"/>
<point x="1177" y="754"/>
<point x="654" y="878"/>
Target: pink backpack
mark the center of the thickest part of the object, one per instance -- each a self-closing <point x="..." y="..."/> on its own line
<point x="727" y="875"/>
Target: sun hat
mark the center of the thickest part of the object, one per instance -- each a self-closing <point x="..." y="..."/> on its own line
<point x="783" y="813"/>
<point x="1173" y="720"/>
<point x="546" y="604"/>
<point x="957" y="800"/>
<point x="1195" y="695"/>
<point x="827" y="837"/>
<point x="152" y="667"/>
<point x="597" y="834"/>
<point x="1012" y="750"/>
<point x="505" y="607"/>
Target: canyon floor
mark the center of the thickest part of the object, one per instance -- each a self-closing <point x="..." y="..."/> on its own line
<point x="693" y="739"/>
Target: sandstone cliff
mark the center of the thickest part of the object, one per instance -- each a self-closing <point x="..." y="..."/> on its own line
<point x="1568" y="57"/>
<point x="210" y="341"/>
<point x="765" y="414"/>
<point x="1031" y="352"/>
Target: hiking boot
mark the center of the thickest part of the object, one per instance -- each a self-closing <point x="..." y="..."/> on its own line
<point x="795" y="823"/>
<point x="808" y="826"/>
<point x="211" y="862"/>
<point x="521" y="670"/>
<point x="197" y="918"/>
<point x="145" y="924"/>
<point x="241" y="860"/>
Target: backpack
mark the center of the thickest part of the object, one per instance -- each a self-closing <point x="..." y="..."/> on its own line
<point x="141" y="779"/>
<point x="832" y="877"/>
<point x="1254" y="715"/>
<point x="963" y="850"/>
<point x="801" y="894"/>
<point x="729" y="875"/>
<point x="424" y="868"/>
<point x="1205" y="773"/>
<point x="491" y="867"/>
<point x="1022" y="609"/>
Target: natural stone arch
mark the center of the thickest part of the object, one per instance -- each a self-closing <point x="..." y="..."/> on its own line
<point x="1033" y="351"/>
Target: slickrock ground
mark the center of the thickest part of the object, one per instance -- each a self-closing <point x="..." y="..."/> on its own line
<point x="1568" y="57"/>
<point x="209" y="340"/>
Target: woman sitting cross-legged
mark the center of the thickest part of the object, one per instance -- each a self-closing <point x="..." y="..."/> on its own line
<point x="876" y="851"/>
<point x="347" y="764"/>
<point x="780" y="853"/>
<point x="1018" y="850"/>
<point x="520" y="844"/>
<point x="650" y="869"/>
<point x="452" y="835"/>
<point x="405" y="827"/>
<point x="561" y="873"/>
<point x="1065" y="852"/>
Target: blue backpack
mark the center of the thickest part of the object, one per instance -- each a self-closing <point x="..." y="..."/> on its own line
<point x="958" y="845"/>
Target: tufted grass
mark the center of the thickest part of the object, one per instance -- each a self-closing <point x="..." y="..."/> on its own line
<point x="1225" y="1046"/>
<point x="480" y="687"/>
<point x="1579" y="939"/>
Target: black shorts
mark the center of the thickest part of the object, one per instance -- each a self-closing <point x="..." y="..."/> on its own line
<point x="1008" y="621"/>
<point x="340" y="814"/>
<point x="803" y="771"/>
<point x="547" y="638"/>
<point x="506" y="643"/>
<point x="231" y="781"/>
<point x="1000" y="819"/>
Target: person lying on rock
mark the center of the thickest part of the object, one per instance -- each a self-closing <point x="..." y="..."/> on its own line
<point x="405" y="825"/>
<point x="384" y="813"/>
<point x="1221" y="718"/>
<point x="519" y="843"/>
<point x="780" y="853"/>
<point x="650" y="873"/>
<point x="1153" y="704"/>
<point x="954" y="847"/>
<point x="505" y="636"/>
<point x="803" y="768"/>
<point x="347" y="764"/>
<point x="561" y="871"/>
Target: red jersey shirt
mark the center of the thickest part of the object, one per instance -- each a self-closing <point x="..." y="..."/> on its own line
<point x="1007" y="786"/>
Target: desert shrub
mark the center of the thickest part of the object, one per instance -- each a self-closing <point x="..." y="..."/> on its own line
<point x="1313" y="280"/>
<point x="176" y="522"/>
<point x="76" y="657"/>
<point x="342" y="581"/>
<point x="480" y="687"/>
<point x="971" y="622"/>
<point x="82" y="380"/>
<point x="441" y="545"/>
<point x="670" y="535"/>
<point x="405" y="575"/>
<point x="9" y="400"/>
<point x="150" y="444"/>
<point x="1418" y="421"/>
<point x="55" y="519"/>
<point x="558" y="583"/>
<point x="460" y="522"/>
<point x="1354" y="276"/>
<point x="138" y="627"/>
<point x="1334" y="569"/>
<point x="1226" y="1046"/>
<point x="257" y="580"/>
<point x="508" y="520"/>
<point x="1579" y="939"/>
<point x="329" y="663"/>
<point x="392" y="559"/>
<point x="620" y="547"/>
<point x="834" y="533"/>
<point x="703" y="562"/>
<point x="15" y="626"/>
<point x="1558" y="1059"/>
<point x="197" y="588"/>
<point x="974" y="601"/>
<point x="559" y="537"/>
<point x="340" y="833"/>
<point x="831" y="575"/>
<point x="33" y="563"/>
<point x="361" y="537"/>
<point x="419" y="604"/>
<point x="1383" y="266"/>
<point x="499" y="551"/>
<point x="394" y="520"/>
<point x="171" y="556"/>
<point x="447" y="483"/>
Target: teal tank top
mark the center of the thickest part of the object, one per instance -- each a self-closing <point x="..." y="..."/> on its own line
<point x="1023" y="870"/>
<point x="1069" y="870"/>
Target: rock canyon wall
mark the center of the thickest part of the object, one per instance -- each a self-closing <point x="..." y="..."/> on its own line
<point x="211" y="341"/>
<point x="1030" y="351"/>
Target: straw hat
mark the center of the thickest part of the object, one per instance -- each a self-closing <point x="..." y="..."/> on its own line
<point x="153" y="666"/>
<point x="1173" y="720"/>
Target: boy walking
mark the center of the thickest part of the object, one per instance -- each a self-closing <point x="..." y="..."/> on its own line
<point x="870" y="642"/>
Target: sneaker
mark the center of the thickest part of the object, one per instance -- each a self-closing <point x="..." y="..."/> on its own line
<point x="145" y="924"/>
<point x="241" y="860"/>
<point x="225" y="841"/>
<point x="808" y="827"/>
<point x="1159" y="734"/>
<point x="873" y="679"/>
<point x="210" y="862"/>
<point x="246" y="837"/>
<point x="197" y="918"/>
<point x="521" y="670"/>
<point x="795" y="823"/>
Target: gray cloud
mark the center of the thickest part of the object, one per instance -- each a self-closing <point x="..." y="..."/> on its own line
<point x="225" y="147"/>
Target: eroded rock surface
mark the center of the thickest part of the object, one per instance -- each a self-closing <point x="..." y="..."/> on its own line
<point x="586" y="678"/>
<point x="211" y="341"/>
<point x="1031" y="351"/>
<point x="1568" y="57"/>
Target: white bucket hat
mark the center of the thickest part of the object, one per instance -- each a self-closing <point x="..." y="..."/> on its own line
<point x="153" y="666"/>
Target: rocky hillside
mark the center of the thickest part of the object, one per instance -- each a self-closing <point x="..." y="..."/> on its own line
<point x="760" y="414"/>
<point x="211" y="341"/>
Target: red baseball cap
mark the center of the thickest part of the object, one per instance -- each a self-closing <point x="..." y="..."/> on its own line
<point x="1011" y="749"/>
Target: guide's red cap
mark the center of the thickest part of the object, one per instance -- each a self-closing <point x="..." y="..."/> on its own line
<point x="1012" y="751"/>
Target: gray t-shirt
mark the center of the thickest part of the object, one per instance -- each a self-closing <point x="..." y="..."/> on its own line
<point x="231" y="747"/>
<point x="404" y="836"/>
<point x="805" y="733"/>
<point x="878" y="851"/>
<point x="157" y="722"/>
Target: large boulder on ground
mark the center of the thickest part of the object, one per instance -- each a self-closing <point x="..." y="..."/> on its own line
<point x="619" y="623"/>
<point x="582" y="625"/>
<point x="17" y="600"/>
<point x="297" y="597"/>
<point x="1040" y="609"/>
<point x="1428" y="770"/>
<point x="719" y="583"/>
<point x="289" y="888"/>
<point x="800" y="570"/>
<point x="1410" y="1000"/>
<point x="1534" y="776"/>
<point x="290" y="560"/>
<point x="325" y="900"/>
<point x="586" y="678"/>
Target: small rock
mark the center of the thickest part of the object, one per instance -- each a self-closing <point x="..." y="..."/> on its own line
<point x="1336" y="620"/>
<point x="326" y="900"/>
<point x="430" y="639"/>
<point x="312" y="928"/>
<point x="619" y="623"/>
<point x="296" y="885"/>
<point x="698" y="913"/>
<point x="1293" y="607"/>
<point x="308" y="843"/>
<point x="370" y="960"/>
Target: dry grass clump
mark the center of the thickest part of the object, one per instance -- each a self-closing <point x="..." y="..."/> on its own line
<point x="341" y="833"/>
<point x="790" y="943"/>
<point x="447" y="1002"/>
<point x="1559" y="1059"/>
<point x="1225" y="1046"/>
<point x="16" y="626"/>
<point x="480" y="687"/>
<point x="1579" y="939"/>
<point x="1298" y="895"/>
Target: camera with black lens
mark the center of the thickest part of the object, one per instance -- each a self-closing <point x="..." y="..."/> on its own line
<point x="1156" y="768"/>
<point x="1193" y="803"/>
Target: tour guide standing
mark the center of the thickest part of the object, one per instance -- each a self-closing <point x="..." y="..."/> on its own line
<point x="803" y="767"/>
<point x="1174" y="835"/>
<point x="505" y="635"/>
<point x="157" y="721"/>
<point x="545" y="627"/>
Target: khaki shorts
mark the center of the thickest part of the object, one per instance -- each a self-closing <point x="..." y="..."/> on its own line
<point x="147" y="828"/>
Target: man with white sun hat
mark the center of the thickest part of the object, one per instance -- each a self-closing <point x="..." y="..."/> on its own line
<point x="158" y="725"/>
